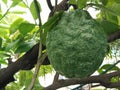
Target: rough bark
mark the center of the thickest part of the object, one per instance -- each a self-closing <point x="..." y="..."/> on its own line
<point x="104" y="80"/>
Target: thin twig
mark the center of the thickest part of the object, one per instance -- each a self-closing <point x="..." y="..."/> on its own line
<point x="40" y="59"/>
<point x="55" y="7"/>
<point x="5" y="13"/>
<point x="114" y="36"/>
<point x="49" y="4"/>
<point x="62" y="6"/>
<point x="56" y="1"/>
<point x="9" y="60"/>
<point x="37" y="70"/>
<point x="56" y="77"/>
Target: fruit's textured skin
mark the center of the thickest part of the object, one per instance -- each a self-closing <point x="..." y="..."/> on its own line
<point x="76" y="46"/>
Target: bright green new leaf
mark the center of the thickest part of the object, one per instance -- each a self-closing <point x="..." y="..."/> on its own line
<point x="33" y="10"/>
<point x="45" y="69"/>
<point x="25" y="27"/>
<point x="15" y="2"/>
<point x="15" y="25"/>
<point x="0" y="16"/>
<point x="21" y="4"/>
<point x="3" y="32"/>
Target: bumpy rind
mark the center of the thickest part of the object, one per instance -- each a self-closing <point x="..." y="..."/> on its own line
<point x="76" y="46"/>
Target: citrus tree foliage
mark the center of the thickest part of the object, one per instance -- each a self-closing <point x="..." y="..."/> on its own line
<point x="18" y="35"/>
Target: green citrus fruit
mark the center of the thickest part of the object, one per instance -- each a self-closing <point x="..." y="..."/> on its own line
<point x="76" y="46"/>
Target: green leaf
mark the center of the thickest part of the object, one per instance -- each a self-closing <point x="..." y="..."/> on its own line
<point x="73" y="2"/>
<point x="4" y="54"/>
<point x="25" y="27"/>
<point x="12" y="44"/>
<point x="109" y="27"/>
<point x="3" y="32"/>
<point x="104" y="2"/>
<point x="81" y="3"/>
<point x="25" y="46"/>
<point x="15" y="25"/>
<point x="114" y="5"/>
<point x="15" y="2"/>
<point x="22" y="78"/>
<point x="21" y="4"/>
<point x="111" y="6"/>
<point x="0" y="16"/>
<point x="50" y="24"/>
<point x="0" y="42"/>
<point x="106" y="66"/>
<point x="33" y="10"/>
<point x="2" y="61"/>
<point x="29" y="75"/>
<point x="25" y="79"/>
<point x="107" y="9"/>
<point x="112" y="18"/>
<point x="45" y="69"/>
<point x="107" y="13"/>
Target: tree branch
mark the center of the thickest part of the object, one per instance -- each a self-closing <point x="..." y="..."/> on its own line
<point x="61" y="6"/>
<point x="26" y="62"/>
<point x="114" y="36"/>
<point x="104" y="80"/>
<point x="56" y="77"/>
<point x="49" y="4"/>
